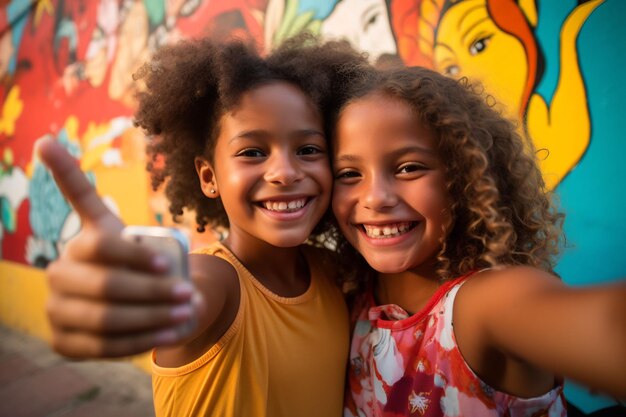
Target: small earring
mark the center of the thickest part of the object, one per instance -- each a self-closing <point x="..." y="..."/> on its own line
<point x="212" y="191"/>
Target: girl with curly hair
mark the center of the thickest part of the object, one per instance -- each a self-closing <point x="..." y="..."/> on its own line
<point x="463" y="315"/>
<point x="242" y="141"/>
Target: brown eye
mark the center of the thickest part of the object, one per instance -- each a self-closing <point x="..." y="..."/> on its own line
<point x="309" y="150"/>
<point x="408" y="168"/>
<point x="347" y="174"/>
<point x="251" y="153"/>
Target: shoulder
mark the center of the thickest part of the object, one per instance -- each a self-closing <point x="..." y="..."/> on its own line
<point x="217" y="280"/>
<point x="496" y="316"/>
<point x="495" y="298"/>
<point x="212" y="270"/>
<point x="217" y="305"/>
<point x="489" y="296"/>
<point x="513" y="280"/>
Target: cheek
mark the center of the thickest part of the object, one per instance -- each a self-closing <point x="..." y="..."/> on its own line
<point x="439" y="207"/>
<point x="336" y="201"/>
<point x="341" y="207"/>
<point x="430" y="198"/>
<point x="322" y="174"/>
<point x="233" y="182"/>
<point x="326" y="178"/>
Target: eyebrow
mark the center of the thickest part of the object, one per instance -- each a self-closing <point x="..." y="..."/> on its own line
<point x="469" y="29"/>
<point x="467" y="13"/>
<point x="463" y="18"/>
<point x="399" y="152"/>
<point x="260" y="134"/>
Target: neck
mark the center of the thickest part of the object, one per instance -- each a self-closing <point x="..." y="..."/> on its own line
<point x="410" y="290"/>
<point x="284" y="271"/>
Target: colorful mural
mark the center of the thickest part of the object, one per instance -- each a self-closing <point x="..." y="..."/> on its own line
<point x="65" y="71"/>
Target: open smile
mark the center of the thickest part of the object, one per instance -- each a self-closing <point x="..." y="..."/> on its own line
<point x="284" y="206"/>
<point x="388" y="230"/>
<point x="291" y="209"/>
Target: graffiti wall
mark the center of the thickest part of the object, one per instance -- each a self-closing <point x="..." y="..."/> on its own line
<point x="66" y="66"/>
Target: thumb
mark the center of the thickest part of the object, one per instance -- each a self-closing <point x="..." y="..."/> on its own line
<point x="76" y="188"/>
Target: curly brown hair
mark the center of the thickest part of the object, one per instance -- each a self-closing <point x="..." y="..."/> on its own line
<point x="502" y="212"/>
<point x="191" y="85"/>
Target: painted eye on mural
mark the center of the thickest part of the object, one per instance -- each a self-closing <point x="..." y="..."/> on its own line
<point x="370" y="20"/>
<point x="451" y="70"/>
<point x="479" y="45"/>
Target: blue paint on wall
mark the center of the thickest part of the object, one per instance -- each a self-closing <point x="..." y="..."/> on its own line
<point x="593" y="195"/>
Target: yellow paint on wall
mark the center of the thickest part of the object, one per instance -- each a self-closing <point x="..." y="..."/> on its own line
<point x="23" y="293"/>
<point x="128" y="186"/>
<point x="11" y="111"/>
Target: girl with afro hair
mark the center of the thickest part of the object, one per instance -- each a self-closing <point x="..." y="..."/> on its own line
<point x="241" y="140"/>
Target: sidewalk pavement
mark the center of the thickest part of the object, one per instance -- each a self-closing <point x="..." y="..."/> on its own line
<point x="36" y="382"/>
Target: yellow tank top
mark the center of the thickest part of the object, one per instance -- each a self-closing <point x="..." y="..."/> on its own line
<point x="280" y="357"/>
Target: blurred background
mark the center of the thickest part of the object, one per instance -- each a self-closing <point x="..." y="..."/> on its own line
<point x="66" y="72"/>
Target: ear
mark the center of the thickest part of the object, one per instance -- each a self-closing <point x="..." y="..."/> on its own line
<point x="206" y="175"/>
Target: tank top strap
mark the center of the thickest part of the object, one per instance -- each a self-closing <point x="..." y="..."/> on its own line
<point x="216" y="249"/>
<point x="450" y="296"/>
<point x="250" y="283"/>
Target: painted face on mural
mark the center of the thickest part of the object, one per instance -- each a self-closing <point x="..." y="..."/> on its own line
<point x="469" y="44"/>
<point x="364" y="23"/>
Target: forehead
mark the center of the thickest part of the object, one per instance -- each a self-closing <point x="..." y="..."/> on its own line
<point x="379" y="117"/>
<point x="465" y="13"/>
<point x="273" y="111"/>
<point x="461" y="22"/>
<point x="274" y="98"/>
<point x="385" y="105"/>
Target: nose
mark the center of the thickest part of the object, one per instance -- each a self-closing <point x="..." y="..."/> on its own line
<point x="378" y="194"/>
<point x="283" y="169"/>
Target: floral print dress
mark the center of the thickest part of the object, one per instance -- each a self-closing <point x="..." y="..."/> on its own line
<point x="403" y="365"/>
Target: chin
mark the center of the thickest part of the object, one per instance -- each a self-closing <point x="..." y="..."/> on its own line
<point x="387" y="269"/>
<point x="287" y="241"/>
<point x="387" y="265"/>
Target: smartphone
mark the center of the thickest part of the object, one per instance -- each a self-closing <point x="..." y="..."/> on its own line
<point x="167" y="241"/>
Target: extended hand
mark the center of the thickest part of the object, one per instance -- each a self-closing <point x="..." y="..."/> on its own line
<point x="108" y="297"/>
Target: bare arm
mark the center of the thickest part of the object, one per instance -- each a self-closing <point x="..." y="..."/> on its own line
<point x="109" y="297"/>
<point x="530" y="315"/>
<point x="218" y="286"/>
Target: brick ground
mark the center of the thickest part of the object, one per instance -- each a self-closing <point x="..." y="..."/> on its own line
<point x="36" y="382"/>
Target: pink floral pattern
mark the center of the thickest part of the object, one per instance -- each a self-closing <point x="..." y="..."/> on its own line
<point x="403" y="365"/>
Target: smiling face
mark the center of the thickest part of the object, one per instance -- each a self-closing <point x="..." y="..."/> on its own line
<point x="270" y="167"/>
<point x="390" y="197"/>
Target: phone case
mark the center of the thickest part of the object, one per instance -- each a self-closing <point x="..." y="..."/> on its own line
<point x="167" y="241"/>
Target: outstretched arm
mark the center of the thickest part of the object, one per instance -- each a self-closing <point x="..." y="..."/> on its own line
<point x="110" y="297"/>
<point x="531" y="316"/>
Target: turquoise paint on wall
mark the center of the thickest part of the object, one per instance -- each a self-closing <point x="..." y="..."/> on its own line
<point x="551" y="16"/>
<point x="593" y="195"/>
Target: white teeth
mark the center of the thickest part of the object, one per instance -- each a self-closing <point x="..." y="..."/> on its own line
<point x="285" y="206"/>
<point x="391" y="230"/>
